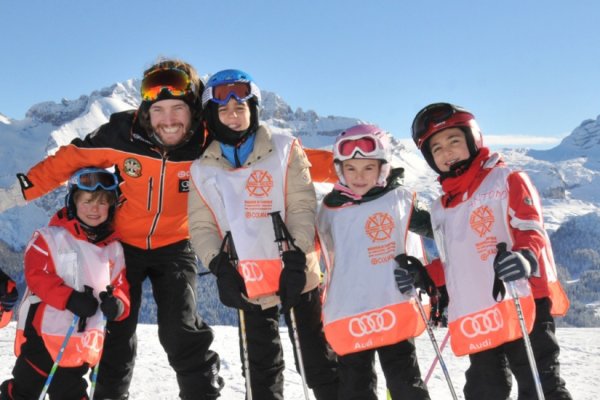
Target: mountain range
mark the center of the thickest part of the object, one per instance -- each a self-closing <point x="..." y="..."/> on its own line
<point x="567" y="177"/>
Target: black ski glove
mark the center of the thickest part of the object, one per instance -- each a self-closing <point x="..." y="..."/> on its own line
<point x="292" y="279"/>
<point x="410" y="268"/>
<point x="512" y="265"/>
<point x="230" y="284"/>
<point x="8" y="295"/>
<point x="83" y="304"/>
<point x="111" y="307"/>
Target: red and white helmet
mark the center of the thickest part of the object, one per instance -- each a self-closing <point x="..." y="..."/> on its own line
<point x="439" y="116"/>
<point x="363" y="141"/>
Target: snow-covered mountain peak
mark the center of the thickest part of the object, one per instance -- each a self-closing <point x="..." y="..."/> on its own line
<point x="583" y="142"/>
<point x="111" y="99"/>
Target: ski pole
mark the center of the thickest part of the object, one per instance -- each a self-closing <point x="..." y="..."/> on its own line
<point x="282" y="234"/>
<point x="435" y="360"/>
<point x="59" y="357"/>
<point x="228" y="241"/>
<point x="434" y="343"/>
<point x="94" y="377"/>
<point x="530" y="356"/>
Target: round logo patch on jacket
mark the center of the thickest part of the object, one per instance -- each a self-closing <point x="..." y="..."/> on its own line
<point x="132" y="167"/>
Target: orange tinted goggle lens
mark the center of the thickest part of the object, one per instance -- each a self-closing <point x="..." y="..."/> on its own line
<point x="174" y="81"/>
<point x="365" y="145"/>
<point x="240" y="90"/>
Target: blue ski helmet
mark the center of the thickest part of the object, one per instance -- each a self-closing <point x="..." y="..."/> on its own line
<point x="220" y="89"/>
<point x="234" y="83"/>
<point x="92" y="179"/>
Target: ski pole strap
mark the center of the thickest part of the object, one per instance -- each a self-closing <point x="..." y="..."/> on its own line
<point x="233" y="257"/>
<point x="282" y="234"/>
<point x="498" y="290"/>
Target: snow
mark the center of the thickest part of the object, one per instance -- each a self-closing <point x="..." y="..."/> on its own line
<point x="154" y="379"/>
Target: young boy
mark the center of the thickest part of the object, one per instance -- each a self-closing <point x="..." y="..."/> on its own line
<point x="73" y="267"/>
<point x="245" y="174"/>
<point x="8" y="298"/>
<point x="364" y="224"/>
<point x="484" y="205"/>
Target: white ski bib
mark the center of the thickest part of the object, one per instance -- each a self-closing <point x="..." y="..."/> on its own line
<point x="241" y="200"/>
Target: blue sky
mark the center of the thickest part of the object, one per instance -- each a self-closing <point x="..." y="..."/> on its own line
<point x="526" y="69"/>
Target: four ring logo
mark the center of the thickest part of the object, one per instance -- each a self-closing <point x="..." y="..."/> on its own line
<point x="93" y="340"/>
<point x="480" y="324"/>
<point x="251" y="271"/>
<point x="372" y="323"/>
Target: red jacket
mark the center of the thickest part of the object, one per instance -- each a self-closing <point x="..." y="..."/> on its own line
<point x="523" y="203"/>
<point x="40" y="271"/>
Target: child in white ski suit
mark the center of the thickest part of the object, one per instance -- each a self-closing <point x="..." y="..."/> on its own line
<point x="364" y="225"/>
<point x="486" y="205"/>
<point x="74" y="267"/>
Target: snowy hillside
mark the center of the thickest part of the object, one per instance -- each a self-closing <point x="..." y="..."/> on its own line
<point x="154" y="379"/>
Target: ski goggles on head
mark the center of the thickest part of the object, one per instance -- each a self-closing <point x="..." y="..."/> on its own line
<point x="241" y="91"/>
<point x="363" y="145"/>
<point x="175" y="81"/>
<point x="432" y="118"/>
<point x="91" y="179"/>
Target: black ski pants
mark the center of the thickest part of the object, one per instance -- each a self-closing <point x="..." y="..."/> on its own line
<point x="33" y="366"/>
<point x="489" y="375"/>
<point x="184" y="336"/>
<point x="266" y="354"/>
<point x="400" y="368"/>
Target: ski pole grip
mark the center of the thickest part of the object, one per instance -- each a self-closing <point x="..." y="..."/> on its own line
<point x="501" y="246"/>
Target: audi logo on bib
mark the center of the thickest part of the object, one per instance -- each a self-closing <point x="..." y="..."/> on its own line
<point x="482" y="323"/>
<point x="372" y="323"/>
<point x="92" y="340"/>
<point x="251" y="271"/>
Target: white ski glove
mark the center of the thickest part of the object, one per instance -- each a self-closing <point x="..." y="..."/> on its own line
<point x="11" y="197"/>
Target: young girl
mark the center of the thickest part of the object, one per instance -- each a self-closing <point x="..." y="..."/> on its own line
<point x="364" y="225"/>
<point x="484" y="204"/>
<point x="246" y="173"/>
<point x="73" y="267"/>
<point x="8" y="298"/>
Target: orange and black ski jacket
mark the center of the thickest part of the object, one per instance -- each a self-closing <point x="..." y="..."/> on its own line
<point x="154" y="184"/>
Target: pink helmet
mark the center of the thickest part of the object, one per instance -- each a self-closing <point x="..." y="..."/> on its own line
<point x="363" y="141"/>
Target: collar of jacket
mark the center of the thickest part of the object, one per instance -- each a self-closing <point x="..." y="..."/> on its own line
<point x="74" y="227"/>
<point x="263" y="146"/>
<point x="337" y="198"/>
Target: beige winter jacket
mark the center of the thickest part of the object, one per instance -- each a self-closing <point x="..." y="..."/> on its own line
<point x="301" y="204"/>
